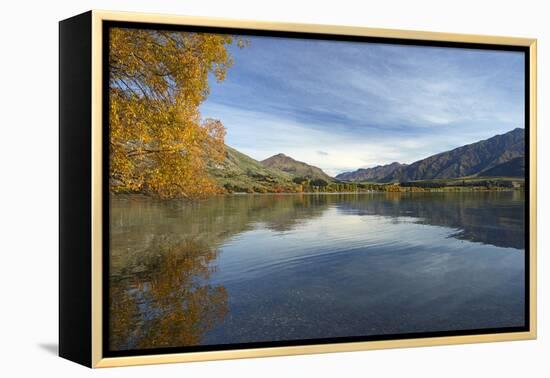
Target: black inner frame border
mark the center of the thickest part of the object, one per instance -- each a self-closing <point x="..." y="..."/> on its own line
<point x="107" y="25"/>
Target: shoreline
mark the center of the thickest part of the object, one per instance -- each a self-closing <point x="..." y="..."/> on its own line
<point x="148" y="196"/>
<point x="375" y="192"/>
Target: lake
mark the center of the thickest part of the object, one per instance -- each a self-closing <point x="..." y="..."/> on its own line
<point x="254" y="268"/>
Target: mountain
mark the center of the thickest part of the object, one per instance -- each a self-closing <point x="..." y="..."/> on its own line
<point x="295" y="168"/>
<point x="468" y="160"/>
<point x="474" y="159"/>
<point x="240" y="173"/>
<point x="499" y="156"/>
<point x="371" y="174"/>
<point x="512" y="168"/>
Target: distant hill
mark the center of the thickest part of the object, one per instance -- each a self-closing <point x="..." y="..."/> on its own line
<point x="295" y="168"/>
<point x="474" y="159"/>
<point x="374" y="174"/>
<point x="241" y="173"/>
<point x="512" y="168"/>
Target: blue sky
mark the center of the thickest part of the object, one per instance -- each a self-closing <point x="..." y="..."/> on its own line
<point x="344" y="105"/>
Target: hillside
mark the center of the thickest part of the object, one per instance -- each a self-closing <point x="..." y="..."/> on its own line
<point x="512" y="168"/>
<point x="371" y="174"/>
<point x="469" y="160"/>
<point x="241" y="173"/>
<point x="295" y="168"/>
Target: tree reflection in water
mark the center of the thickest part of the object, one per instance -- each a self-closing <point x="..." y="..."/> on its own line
<point x="166" y="301"/>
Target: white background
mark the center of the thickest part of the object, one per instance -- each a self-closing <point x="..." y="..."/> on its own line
<point x="29" y="174"/>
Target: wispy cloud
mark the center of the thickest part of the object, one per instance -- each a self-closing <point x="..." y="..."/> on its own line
<point x="342" y="105"/>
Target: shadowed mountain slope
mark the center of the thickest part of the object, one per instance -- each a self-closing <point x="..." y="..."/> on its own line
<point x="476" y="159"/>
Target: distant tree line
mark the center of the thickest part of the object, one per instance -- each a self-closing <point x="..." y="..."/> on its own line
<point x="305" y="184"/>
<point x="489" y="184"/>
<point x="309" y="185"/>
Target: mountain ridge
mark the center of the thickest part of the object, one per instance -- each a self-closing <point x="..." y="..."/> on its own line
<point x="370" y="174"/>
<point x="241" y="173"/>
<point x="296" y="168"/>
<point x="468" y="160"/>
<point x="499" y="156"/>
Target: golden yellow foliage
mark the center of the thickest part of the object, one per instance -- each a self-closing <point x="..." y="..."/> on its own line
<point x="157" y="80"/>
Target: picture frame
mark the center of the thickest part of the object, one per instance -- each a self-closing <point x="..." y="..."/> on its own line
<point x="84" y="234"/>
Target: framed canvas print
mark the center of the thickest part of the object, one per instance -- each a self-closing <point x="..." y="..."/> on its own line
<point x="235" y="189"/>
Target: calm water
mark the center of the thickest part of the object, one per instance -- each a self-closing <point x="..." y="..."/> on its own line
<point x="253" y="268"/>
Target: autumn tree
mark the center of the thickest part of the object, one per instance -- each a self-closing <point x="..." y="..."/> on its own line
<point x="157" y="80"/>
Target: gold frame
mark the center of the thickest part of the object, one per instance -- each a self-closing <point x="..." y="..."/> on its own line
<point x="99" y="16"/>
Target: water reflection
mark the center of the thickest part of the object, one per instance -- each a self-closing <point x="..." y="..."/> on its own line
<point x="495" y="218"/>
<point x="165" y="300"/>
<point x="279" y="267"/>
